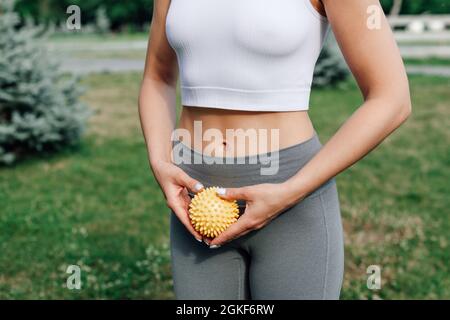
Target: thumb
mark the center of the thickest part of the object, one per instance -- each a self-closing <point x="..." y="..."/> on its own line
<point x="234" y="193"/>
<point x="190" y="183"/>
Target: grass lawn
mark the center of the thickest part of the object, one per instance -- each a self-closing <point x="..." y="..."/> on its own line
<point x="97" y="206"/>
<point x="97" y="37"/>
<point x="428" y="61"/>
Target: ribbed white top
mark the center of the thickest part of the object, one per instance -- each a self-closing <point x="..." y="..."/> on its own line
<point x="253" y="55"/>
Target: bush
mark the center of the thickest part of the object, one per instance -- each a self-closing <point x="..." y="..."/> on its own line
<point x="102" y="22"/>
<point x="40" y="109"/>
<point x="331" y="68"/>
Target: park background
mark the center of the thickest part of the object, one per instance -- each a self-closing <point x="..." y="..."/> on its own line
<point x="89" y="199"/>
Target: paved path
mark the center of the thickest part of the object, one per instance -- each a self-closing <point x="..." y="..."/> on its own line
<point x="408" y="51"/>
<point x="425" y="51"/>
<point x="99" y="46"/>
<point x="429" y="70"/>
<point x="86" y="66"/>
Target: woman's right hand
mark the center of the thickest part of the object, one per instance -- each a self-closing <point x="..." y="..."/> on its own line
<point x="175" y="184"/>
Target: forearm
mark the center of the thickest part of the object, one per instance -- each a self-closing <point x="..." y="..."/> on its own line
<point x="362" y="132"/>
<point x="157" y="111"/>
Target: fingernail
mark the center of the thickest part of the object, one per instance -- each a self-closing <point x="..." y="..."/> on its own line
<point x="206" y="241"/>
<point x="214" y="246"/>
<point x="198" y="186"/>
<point x="221" y="191"/>
<point x="199" y="240"/>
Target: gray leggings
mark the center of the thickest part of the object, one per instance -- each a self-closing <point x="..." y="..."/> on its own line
<point x="298" y="255"/>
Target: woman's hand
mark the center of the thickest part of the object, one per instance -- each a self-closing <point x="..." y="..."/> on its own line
<point x="263" y="203"/>
<point x="175" y="184"/>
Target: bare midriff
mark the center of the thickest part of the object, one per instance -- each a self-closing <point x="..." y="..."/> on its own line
<point x="241" y="133"/>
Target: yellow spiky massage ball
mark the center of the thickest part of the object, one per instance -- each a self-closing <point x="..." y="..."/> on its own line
<point x="210" y="215"/>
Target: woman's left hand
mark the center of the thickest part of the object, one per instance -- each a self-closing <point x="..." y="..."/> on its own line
<point x="263" y="203"/>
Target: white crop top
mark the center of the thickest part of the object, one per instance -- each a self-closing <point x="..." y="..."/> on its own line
<point x="253" y="55"/>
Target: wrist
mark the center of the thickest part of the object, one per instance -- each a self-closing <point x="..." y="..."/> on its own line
<point x="158" y="163"/>
<point x="158" y="158"/>
<point x="294" y="192"/>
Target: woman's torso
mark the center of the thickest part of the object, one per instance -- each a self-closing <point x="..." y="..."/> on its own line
<point x="246" y="71"/>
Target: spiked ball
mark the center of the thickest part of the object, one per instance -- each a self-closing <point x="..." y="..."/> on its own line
<point x="210" y="215"/>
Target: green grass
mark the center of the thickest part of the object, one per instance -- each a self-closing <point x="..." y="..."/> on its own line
<point x="96" y="37"/>
<point x="98" y="206"/>
<point x="423" y="43"/>
<point x="428" y="61"/>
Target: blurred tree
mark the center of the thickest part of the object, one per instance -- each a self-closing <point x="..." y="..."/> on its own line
<point x="417" y="6"/>
<point x="120" y="13"/>
<point x="102" y="22"/>
<point x="396" y="7"/>
<point x="137" y="13"/>
<point x="40" y="110"/>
